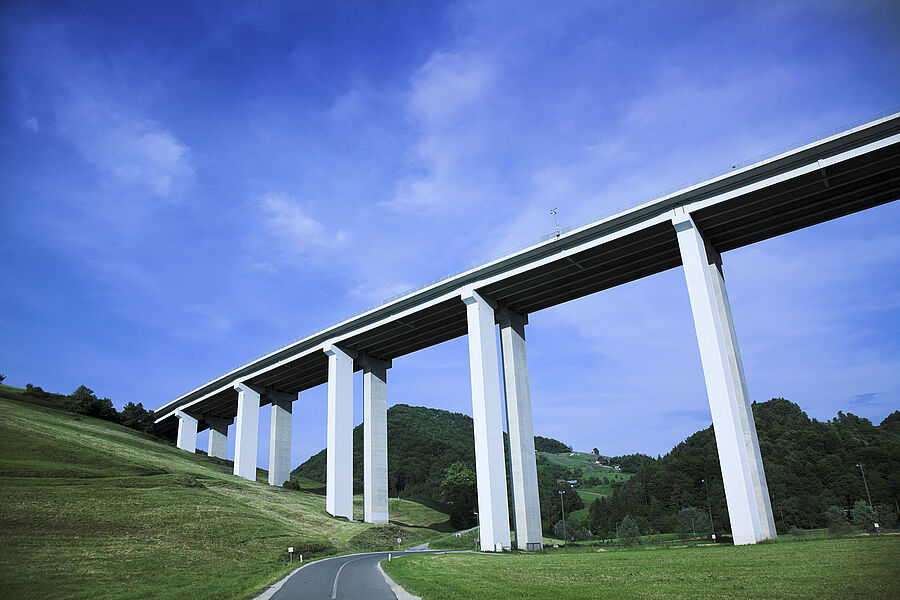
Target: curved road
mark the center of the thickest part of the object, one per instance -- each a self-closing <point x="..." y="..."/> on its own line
<point x="354" y="577"/>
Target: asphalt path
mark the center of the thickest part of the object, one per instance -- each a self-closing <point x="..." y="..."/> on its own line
<point x="353" y="577"/>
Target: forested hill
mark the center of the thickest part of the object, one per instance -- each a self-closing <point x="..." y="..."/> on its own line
<point x="810" y="465"/>
<point x="422" y="444"/>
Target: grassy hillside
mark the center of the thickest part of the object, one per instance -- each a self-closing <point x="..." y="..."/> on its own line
<point x="91" y="509"/>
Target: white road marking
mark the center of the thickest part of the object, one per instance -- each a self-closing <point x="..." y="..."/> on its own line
<point x="334" y="589"/>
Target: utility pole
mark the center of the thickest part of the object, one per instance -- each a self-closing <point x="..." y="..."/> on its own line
<point x="861" y="470"/>
<point x="553" y="212"/>
<point x="712" y="525"/>
<point x="562" y="508"/>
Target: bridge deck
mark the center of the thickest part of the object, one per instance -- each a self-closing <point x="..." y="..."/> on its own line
<point x="837" y="176"/>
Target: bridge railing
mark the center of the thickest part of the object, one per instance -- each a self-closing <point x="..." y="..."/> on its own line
<point x="605" y="215"/>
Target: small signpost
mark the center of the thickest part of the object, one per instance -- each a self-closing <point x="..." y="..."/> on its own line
<point x="291" y="552"/>
<point x="398" y="543"/>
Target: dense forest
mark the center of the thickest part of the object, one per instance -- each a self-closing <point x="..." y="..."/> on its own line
<point x="810" y="465"/>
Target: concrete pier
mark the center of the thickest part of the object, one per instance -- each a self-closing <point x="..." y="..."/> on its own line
<point x="187" y="432"/>
<point x="339" y="460"/>
<point x="280" y="437"/>
<point x="218" y="436"/>
<point x="735" y="441"/>
<point x="526" y="502"/>
<point x="246" y="431"/>
<point x="375" y="466"/>
<point x="490" y="466"/>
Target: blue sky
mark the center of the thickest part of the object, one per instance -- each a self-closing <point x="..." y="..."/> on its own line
<point x="189" y="185"/>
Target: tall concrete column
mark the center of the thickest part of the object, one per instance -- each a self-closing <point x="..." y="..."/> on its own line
<point x="246" y="435"/>
<point x="218" y="436"/>
<point x="339" y="452"/>
<point x="728" y="424"/>
<point x="187" y="432"/>
<point x="375" y="473"/>
<point x="280" y="437"/>
<point x="490" y="466"/>
<point x="739" y="383"/>
<point x="526" y="502"/>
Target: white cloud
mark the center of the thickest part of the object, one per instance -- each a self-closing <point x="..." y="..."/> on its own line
<point x="128" y="150"/>
<point x="32" y="124"/>
<point x="285" y="231"/>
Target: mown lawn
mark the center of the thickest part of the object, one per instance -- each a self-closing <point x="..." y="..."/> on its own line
<point x="833" y="568"/>
<point x="90" y="509"/>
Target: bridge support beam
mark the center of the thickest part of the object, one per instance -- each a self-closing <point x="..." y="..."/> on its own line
<point x="339" y="452"/>
<point x="187" y="432"/>
<point x="280" y="437"/>
<point x="246" y="431"/>
<point x="749" y="509"/>
<point x="218" y="436"/>
<point x="375" y="473"/>
<point x="526" y="501"/>
<point x="490" y="468"/>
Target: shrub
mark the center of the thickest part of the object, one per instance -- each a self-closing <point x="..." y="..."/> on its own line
<point x="836" y="520"/>
<point x="84" y="401"/>
<point x="798" y="533"/>
<point x="887" y="518"/>
<point x="574" y="530"/>
<point x="290" y="485"/>
<point x="863" y="514"/>
<point x="137" y="417"/>
<point x="628" y="531"/>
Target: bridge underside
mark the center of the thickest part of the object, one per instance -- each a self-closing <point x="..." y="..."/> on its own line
<point x="849" y="186"/>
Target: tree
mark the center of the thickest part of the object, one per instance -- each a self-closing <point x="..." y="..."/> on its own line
<point x="2" y="377"/>
<point x="85" y="402"/>
<point x="693" y="522"/>
<point x="628" y="531"/>
<point x="887" y="518"/>
<point x="595" y="517"/>
<point x="836" y="520"/>
<point x="136" y="416"/>
<point x="573" y="529"/>
<point x="596" y="452"/>
<point x="863" y="515"/>
<point x="459" y="492"/>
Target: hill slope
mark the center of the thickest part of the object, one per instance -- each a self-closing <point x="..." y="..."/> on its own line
<point x="91" y="509"/>
<point x="810" y="465"/>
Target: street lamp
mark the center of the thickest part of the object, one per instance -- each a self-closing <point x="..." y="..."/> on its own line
<point x="709" y="505"/>
<point x="861" y="470"/>
<point x="562" y="508"/>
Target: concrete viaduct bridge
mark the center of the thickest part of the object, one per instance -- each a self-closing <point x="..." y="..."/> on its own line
<point x="848" y="171"/>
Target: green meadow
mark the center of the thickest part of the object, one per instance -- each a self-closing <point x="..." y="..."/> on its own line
<point x="91" y="509"/>
<point x="862" y="567"/>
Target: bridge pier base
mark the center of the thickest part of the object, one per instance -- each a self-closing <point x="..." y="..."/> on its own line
<point x="375" y="469"/>
<point x="280" y="437"/>
<point x="746" y="491"/>
<point x="490" y="468"/>
<point x="187" y="432"/>
<point x="526" y="501"/>
<point x="246" y="431"/>
<point x="218" y="436"/>
<point x="339" y="459"/>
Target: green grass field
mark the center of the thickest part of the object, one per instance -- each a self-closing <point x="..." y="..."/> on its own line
<point x="91" y="509"/>
<point x="833" y="568"/>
